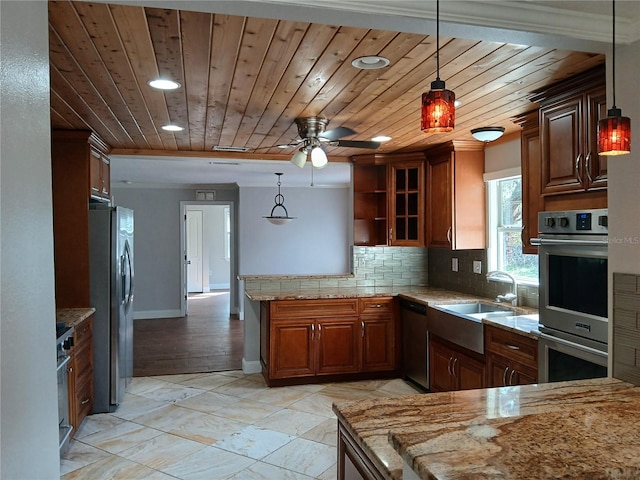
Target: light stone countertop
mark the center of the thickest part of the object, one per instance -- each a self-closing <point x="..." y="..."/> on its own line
<point x="569" y="430"/>
<point x="73" y="316"/>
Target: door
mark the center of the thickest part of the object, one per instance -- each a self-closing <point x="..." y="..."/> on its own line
<point x="194" y="251"/>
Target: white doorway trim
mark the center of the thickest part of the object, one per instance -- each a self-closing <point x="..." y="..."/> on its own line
<point x="233" y="282"/>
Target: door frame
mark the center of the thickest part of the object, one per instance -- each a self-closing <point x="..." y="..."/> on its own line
<point x="233" y="282"/>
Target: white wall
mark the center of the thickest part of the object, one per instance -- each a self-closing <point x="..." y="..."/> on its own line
<point x="28" y="390"/>
<point x="316" y="242"/>
<point x="503" y="154"/>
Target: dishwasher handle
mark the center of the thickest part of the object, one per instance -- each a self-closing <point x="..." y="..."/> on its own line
<point x="414" y="307"/>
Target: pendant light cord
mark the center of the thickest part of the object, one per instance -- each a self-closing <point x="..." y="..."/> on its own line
<point x="438" y="40"/>
<point x="613" y="54"/>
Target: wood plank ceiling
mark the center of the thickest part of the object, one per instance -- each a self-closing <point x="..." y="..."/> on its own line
<point x="244" y="80"/>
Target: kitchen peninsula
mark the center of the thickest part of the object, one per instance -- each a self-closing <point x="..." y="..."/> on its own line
<point x="571" y="430"/>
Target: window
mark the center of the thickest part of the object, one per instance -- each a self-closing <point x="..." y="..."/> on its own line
<point x="505" y="226"/>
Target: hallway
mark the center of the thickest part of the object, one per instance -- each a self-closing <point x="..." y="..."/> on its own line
<point x="209" y="339"/>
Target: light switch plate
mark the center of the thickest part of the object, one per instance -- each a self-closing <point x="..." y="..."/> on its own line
<point x="477" y="266"/>
<point x="454" y="264"/>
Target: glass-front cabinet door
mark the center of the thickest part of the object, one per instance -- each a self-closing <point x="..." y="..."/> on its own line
<point x="406" y="209"/>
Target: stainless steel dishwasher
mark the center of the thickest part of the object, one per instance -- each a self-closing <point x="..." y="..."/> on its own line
<point x="415" y="342"/>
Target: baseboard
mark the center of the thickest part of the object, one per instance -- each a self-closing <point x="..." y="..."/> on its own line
<point x="249" y="367"/>
<point x="147" y="314"/>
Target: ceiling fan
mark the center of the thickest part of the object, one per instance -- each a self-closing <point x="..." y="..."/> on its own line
<point x="314" y="138"/>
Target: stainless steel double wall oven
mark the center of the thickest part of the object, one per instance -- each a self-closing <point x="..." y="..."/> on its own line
<point x="573" y="251"/>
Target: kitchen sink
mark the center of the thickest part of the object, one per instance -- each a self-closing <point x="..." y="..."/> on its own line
<point x="461" y="323"/>
<point x="475" y="308"/>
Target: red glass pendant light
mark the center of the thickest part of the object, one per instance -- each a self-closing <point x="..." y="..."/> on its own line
<point x="614" y="131"/>
<point x="438" y="109"/>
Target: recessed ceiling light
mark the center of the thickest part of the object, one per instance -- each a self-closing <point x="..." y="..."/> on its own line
<point x="163" y="84"/>
<point x="381" y="138"/>
<point x="370" y="63"/>
<point x="172" y="128"/>
<point x="457" y="103"/>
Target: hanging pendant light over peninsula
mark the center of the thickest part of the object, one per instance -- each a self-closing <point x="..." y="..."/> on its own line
<point x="614" y="131"/>
<point x="279" y="199"/>
<point x="438" y="105"/>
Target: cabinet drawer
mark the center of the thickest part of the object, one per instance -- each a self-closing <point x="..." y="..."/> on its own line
<point x="84" y="400"/>
<point x="512" y="345"/>
<point x="376" y="305"/>
<point x="83" y="332"/>
<point x="83" y="363"/>
<point x="314" y="308"/>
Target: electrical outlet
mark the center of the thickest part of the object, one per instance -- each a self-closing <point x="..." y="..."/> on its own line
<point x="477" y="266"/>
<point x="454" y="264"/>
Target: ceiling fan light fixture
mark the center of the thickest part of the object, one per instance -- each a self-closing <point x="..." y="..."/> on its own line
<point x="371" y="62"/>
<point x="438" y="105"/>
<point x="318" y="157"/>
<point x="381" y="138"/>
<point x="164" y="84"/>
<point x="299" y="158"/>
<point x="279" y="200"/>
<point x="487" y="134"/>
<point x="614" y="131"/>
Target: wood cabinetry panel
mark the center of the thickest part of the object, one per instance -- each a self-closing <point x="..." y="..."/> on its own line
<point x="338" y="346"/>
<point x="292" y="350"/>
<point x="377" y="305"/>
<point x="313" y="308"/>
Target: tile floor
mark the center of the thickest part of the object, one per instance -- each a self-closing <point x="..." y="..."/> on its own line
<point x="214" y="426"/>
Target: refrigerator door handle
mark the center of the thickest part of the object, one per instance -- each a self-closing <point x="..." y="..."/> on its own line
<point x="127" y="274"/>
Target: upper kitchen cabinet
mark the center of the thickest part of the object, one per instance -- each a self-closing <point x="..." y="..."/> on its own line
<point x="532" y="200"/>
<point x="370" y="200"/>
<point x="455" y="216"/>
<point x="405" y="178"/>
<point x="568" y="116"/>
<point x="73" y="153"/>
<point x="388" y="201"/>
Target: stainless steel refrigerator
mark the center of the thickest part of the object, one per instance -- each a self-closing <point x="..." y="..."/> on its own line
<point x="111" y="276"/>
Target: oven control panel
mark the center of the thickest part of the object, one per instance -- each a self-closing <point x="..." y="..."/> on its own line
<point x="568" y="222"/>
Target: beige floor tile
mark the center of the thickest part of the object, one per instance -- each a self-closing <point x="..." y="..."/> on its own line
<point x="330" y="473"/>
<point x="326" y="432"/>
<point x="242" y="387"/>
<point x="178" y="378"/>
<point x="142" y="385"/>
<point x="171" y="392"/>
<point x="317" y="403"/>
<point x="112" y="467"/>
<point x="162" y="451"/>
<point x="208" y="402"/>
<point x="264" y="471"/>
<point x="208" y="429"/>
<point x="254" y="442"/>
<point x="209" y="381"/>
<point x="247" y="411"/>
<point x="97" y="423"/>
<point x="134" y="405"/>
<point x="292" y="422"/>
<point x="167" y="417"/>
<point x="303" y="456"/>
<point x="121" y="437"/>
<point x="80" y="455"/>
<point x="208" y="464"/>
<point x="282" y="396"/>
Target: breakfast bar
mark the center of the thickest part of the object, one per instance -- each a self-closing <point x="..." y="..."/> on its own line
<point x="570" y="430"/>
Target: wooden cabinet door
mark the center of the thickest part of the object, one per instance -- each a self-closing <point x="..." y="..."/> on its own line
<point x="105" y="174"/>
<point x="439" y="201"/>
<point x="497" y="371"/>
<point x="532" y="201"/>
<point x="561" y="137"/>
<point x="469" y="373"/>
<point x="378" y="341"/>
<point x="292" y="348"/>
<point x="337" y="343"/>
<point x="406" y="203"/>
<point x="95" y="173"/>
<point x="595" y="166"/>
<point x="440" y="361"/>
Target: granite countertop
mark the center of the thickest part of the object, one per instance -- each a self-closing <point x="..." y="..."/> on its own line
<point x="570" y="430"/>
<point x="73" y="316"/>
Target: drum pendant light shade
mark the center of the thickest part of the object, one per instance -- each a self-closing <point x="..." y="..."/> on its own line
<point x="614" y="134"/>
<point x="614" y="131"/>
<point x="438" y="105"/>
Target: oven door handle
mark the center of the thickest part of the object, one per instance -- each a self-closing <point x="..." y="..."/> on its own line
<point x="62" y="363"/>
<point x="565" y="241"/>
<point x="567" y="343"/>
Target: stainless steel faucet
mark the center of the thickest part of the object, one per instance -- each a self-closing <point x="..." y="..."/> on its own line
<point x="512" y="297"/>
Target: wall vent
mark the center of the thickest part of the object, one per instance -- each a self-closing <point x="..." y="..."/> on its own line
<point x="208" y="195"/>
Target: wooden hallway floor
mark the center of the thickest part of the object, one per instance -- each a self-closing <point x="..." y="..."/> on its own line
<point x="209" y="339"/>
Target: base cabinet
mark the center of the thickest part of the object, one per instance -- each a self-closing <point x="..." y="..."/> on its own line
<point x="304" y="340"/>
<point x="80" y="371"/>
<point x="353" y="463"/>
<point x="450" y="368"/>
<point x="512" y="358"/>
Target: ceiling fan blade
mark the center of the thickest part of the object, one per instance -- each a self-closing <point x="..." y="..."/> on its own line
<point x="337" y="133"/>
<point x="355" y="144"/>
